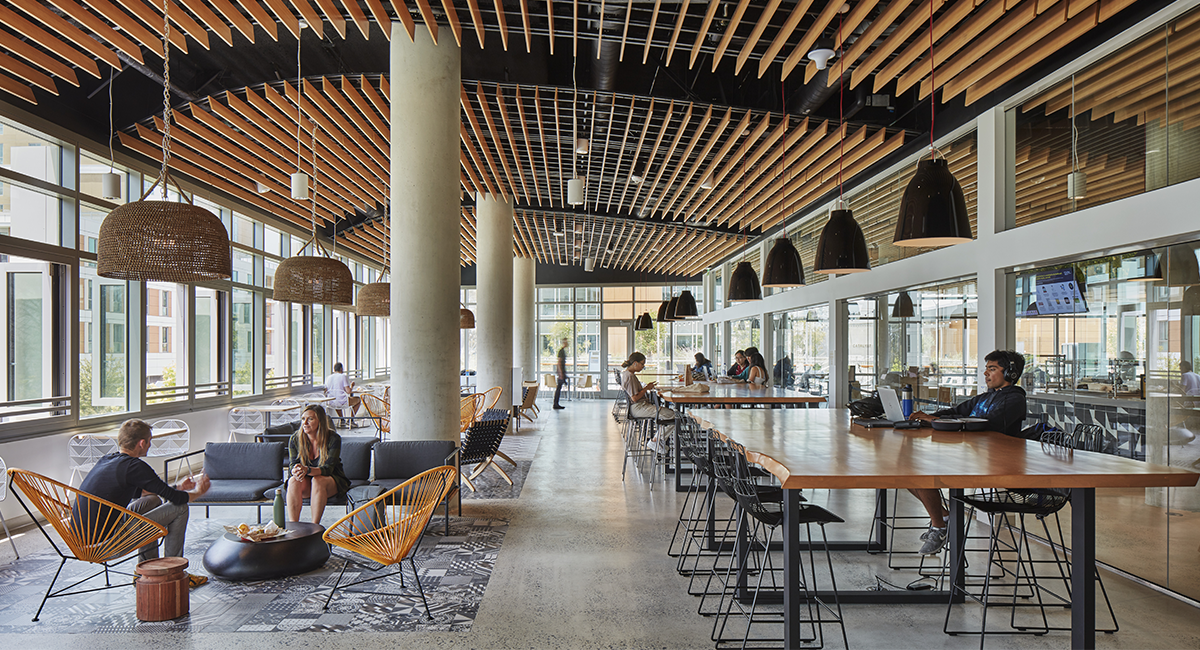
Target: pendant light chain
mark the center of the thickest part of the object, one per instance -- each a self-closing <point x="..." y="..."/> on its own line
<point x="313" y="197"/>
<point x="112" y="76"/>
<point x="166" y="145"/>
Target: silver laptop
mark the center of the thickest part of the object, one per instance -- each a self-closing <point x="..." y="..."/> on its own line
<point x="891" y="411"/>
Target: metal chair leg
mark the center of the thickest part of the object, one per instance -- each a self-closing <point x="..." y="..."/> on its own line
<point x="420" y="590"/>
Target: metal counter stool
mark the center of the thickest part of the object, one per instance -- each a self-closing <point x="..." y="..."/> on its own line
<point x="766" y="516"/>
<point x="1022" y="586"/>
<point x="637" y="433"/>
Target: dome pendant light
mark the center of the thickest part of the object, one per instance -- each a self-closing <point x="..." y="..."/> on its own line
<point x="662" y="312"/>
<point x="743" y="282"/>
<point x="314" y="279"/>
<point x="686" y="308"/>
<point x="672" y="305"/>
<point x="933" y="211"/>
<point x="783" y="268"/>
<point x="466" y="318"/>
<point x="903" y="307"/>
<point x="644" y="322"/>
<point x="163" y="240"/>
<point x="842" y="247"/>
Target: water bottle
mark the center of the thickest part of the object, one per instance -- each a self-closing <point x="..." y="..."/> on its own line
<point x="278" y="515"/>
<point x="906" y="401"/>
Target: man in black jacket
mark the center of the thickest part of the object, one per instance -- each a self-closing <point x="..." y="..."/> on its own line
<point x="1003" y="405"/>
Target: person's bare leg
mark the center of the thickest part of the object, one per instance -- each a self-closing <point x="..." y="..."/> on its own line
<point x="932" y="500"/>
<point x="297" y="489"/>
<point x="323" y="487"/>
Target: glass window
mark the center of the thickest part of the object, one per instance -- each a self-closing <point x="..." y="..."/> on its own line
<point x="718" y="289"/>
<point x="243" y="342"/>
<point x="275" y="368"/>
<point x="802" y="350"/>
<point x="38" y="213"/>
<point x="31" y="153"/>
<point x="317" y="343"/>
<point x="103" y="371"/>
<point x="383" y="359"/>
<point x="243" y="266"/>
<point x="743" y="334"/>
<point x="269" y="267"/>
<point x="31" y="293"/>
<point x="166" y="342"/>
<point x="273" y="241"/>
<point x="244" y="230"/>
<point x="212" y="375"/>
<point x="296" y="343"/>
<point x="550" y="336"/>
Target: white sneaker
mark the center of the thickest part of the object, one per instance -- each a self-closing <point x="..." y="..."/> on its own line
<point x="657" y="446"/>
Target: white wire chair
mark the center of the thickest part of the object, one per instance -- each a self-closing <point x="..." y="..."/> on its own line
<point x="84" y="450"/>
<point x="292" y="416"/>
<point x="173" y="445"/>
<point x="245" y="421"/>
<point x="3" y="494"/>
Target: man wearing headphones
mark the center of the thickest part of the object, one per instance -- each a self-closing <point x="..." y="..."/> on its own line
<point x="1003" y="405"/>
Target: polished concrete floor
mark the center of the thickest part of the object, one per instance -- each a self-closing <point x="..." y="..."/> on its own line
<point x="584" y="566"/>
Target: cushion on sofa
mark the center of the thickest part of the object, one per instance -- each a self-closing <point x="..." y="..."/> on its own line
<point x="282" y="429"/>
<point x="224" y="490"/>
<point x="244" y="460"/>
<point x="356" y="457"/>
<point x="404" y="459"/>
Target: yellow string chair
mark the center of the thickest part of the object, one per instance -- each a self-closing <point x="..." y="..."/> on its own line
<point x="470" y="408"/>
<point x="380" y="412"/>
<point x="388" y="528"/>
<point x="108" y="532"/>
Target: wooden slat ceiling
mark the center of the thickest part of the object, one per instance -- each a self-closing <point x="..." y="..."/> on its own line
<point x="516" y="140"/>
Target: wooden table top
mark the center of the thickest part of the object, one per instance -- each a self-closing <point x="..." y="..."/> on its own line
<point x="820" y="448"/>
<point x="737" y="394"/>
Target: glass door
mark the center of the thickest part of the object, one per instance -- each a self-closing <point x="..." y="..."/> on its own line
<point x="616" y="342"/>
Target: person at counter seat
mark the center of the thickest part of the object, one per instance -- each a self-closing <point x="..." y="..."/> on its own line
<point x="741" y="366"/>
<point x="1003" y="405"/>
<point x="639" y="401"/>
<point x="758" y="370"/>
<point x="1189" y="382"/>
<point x="703" y="369"/>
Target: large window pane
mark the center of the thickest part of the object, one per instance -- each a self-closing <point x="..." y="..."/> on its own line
<point x="276" y="352"/>
<point x="103" y="367"/>
<point x="166" y="342"/>
<point x="296" y="343"/>
<point x="243" y="342"/>
<point x="317" y="343"/>
<point x="211" y="370"/>
<point x="31" y="214"/>
<point x="383" y="359"/>
<point x="29" y="292"/>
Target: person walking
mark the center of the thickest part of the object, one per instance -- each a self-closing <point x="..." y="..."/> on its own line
<point x="562" y="372"/>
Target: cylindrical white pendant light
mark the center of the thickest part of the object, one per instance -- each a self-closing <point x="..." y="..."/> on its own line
<point x="582" y="146"/>
<point x="575" y="191"/>
<point x="110" y="185"/>
<point x="300" y="186"/>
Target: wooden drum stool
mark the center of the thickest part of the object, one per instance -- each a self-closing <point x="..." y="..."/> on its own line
<point x="162" y="589"/>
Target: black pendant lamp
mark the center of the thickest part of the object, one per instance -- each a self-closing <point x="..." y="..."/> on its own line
<point x="903" y="307"/>
<point x="643" y="322"/>
<point x="663" y="317"/>
<point x="686" y="309"/>
<point x="671" y="306"/>
<point x="933" y="211"/>
<point x="842" y="247"/>
<point x="743" y="284"/>
<point x="1153" y="269"/>
<point x="783" y="267"/>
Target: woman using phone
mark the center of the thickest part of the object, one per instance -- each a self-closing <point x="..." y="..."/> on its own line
<point x="639" y="401"/>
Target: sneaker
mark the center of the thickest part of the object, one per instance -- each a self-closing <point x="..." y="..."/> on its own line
<point x="935" y="539"/>
<point x="196" y="580"/>
<point x="657" y="446"/>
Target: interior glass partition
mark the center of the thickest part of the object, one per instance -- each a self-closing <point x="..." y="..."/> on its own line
<point x="801" y="340"/>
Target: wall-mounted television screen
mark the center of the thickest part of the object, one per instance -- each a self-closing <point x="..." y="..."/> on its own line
<point x="1056" y="292"/>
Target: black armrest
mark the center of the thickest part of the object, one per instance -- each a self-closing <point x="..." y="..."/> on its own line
<point x="168" y="459"/>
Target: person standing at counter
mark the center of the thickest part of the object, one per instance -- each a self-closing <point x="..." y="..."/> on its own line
<point x="1003" y="405"/>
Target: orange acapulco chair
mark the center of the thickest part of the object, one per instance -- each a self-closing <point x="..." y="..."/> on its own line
<point x="388" y="528"/>
<point x="380" y="412"/>
<point x="109" y="533"/>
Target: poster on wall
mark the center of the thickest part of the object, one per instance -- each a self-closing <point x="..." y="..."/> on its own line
<point x="1056" y="292"/>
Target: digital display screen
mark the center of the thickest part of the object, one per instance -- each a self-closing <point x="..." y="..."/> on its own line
<point x="1057" y="292"/>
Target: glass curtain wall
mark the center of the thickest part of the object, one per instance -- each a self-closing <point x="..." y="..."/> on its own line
<point x="801" y="340"/>
<point x="1113" y="343"/>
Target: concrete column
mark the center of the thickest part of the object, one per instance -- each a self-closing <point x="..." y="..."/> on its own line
<point x="525" y="317"/>
<point x="494" y="295"/>
<point x="426" y="82"/>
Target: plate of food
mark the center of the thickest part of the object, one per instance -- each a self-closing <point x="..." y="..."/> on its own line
<point x="258" y="533"/>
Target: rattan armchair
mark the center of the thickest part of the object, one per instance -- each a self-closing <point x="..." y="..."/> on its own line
<point x="93" y="530"/>
<point x="388" y="528"/>
<point x="469" y="410"/>
<point x="491" y="395"/>
<point x="380" y="412"/>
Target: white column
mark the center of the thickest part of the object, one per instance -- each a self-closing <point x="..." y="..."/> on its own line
<point x="426" y="82"/>
<point x="525" y="317"/>
<point x="995" y="159"/>
<point x="494" y="295"/>
<point x="839" y="354"/>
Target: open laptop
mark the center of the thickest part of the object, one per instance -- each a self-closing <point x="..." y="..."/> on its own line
<point x="891" y="410"/>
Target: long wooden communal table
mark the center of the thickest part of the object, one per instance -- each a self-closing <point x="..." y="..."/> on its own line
<point x="822" y="449"/>
<point x="727" y="395"/>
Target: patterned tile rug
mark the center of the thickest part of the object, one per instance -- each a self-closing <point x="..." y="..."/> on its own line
<point x="490" y="485"/>
<point x="454" y="574"/>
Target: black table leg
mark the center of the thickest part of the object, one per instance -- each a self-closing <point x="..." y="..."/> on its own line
<point x="792" y="638"/>
<point x="1083" y="567"/>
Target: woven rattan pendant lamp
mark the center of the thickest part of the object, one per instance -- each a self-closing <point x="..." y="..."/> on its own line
<point x="314" y="279"/>
<point x="163" y="240"/>
<point x="375" y="299"/>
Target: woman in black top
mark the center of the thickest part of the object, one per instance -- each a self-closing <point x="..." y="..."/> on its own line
<point x="314" y="456"/>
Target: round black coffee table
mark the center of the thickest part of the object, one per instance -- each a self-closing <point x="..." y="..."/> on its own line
<point x="300" y="551"/>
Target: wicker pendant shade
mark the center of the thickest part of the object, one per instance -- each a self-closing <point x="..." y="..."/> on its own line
<point x="375" y="299"/>
<point x="466" y="319"/>
<point x="164" y="241"/>
<point x="314" y="280"/>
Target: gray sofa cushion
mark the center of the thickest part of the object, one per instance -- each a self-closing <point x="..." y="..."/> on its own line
<point x="225" y="490"/>
<point x="245" y="461"/>
<point x="356" y="458"/>
<point x="404" y="459"/>
<point x="282" y="429"/>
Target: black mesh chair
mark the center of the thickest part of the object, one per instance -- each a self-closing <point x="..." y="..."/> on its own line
<point x="1011" y="578"/>
<point x="765" y="516"/>
<point x="480" y="444"/>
